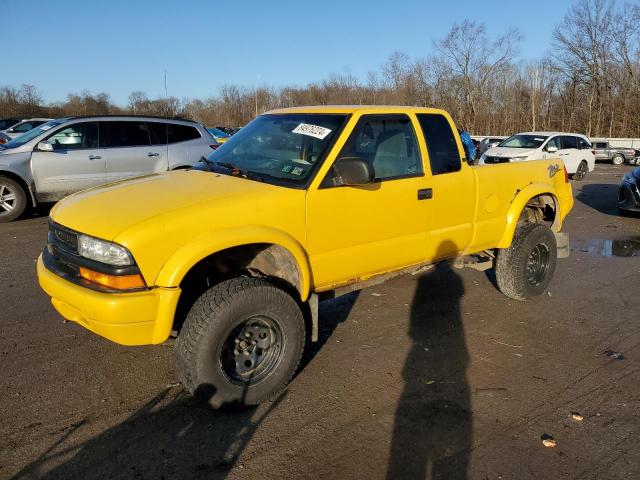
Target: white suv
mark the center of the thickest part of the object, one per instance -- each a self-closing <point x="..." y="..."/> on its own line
<point x="573" y="149"/>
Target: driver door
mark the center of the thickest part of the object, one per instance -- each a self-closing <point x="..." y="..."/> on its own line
<point x="354" y="232"/>
<point x="76" y="162"/>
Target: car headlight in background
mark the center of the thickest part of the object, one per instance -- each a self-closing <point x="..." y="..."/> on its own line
<point x="103" y="251"/>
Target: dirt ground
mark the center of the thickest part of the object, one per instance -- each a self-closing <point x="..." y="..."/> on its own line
<point x="432" y="376"/>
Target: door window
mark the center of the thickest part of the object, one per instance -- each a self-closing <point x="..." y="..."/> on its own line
<point x="554" y="142"/>
<point x="569" y="142"/>
<point x="388" y="144"/>
<point x="75" y="137"/>
<point x="444" y="156"/>
<point x="127" y="134"/>
<point x="601" y="146"/>
<point x="583" y="144"/>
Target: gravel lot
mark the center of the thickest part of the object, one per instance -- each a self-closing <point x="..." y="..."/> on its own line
<point x="437" y="376"/>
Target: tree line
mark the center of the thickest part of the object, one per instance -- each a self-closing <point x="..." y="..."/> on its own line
<point x="587" y="83"/>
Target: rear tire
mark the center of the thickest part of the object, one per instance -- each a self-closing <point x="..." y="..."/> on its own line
<point x="525" y="269"/>
<point x="241" y="343"/>
<point x="13" y="199"/>
<point x="617" y="160"/>
<point x="581" y="172"/>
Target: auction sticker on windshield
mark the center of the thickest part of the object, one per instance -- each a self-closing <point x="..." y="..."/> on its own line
<point x="312" y="130"/>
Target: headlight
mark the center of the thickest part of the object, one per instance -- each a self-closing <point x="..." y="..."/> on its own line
<point x="103" y="251"/>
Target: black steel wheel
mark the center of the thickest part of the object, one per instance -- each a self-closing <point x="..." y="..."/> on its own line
<point x="252" y="350"/>
<point x="525" y="269"/>
<point x="241" y="342"/>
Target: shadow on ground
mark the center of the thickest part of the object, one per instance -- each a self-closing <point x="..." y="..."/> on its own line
<point x="600" y="196"/>
<point x="432" y="427"/>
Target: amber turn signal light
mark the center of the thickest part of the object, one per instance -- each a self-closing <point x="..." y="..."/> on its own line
<point x="116" y="282"/>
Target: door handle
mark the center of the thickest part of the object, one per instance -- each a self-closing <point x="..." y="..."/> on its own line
<point x="94" y="157"/>
<point x="563" y="154"/>
<point x="153" y="154"/>
<point x="425" y="194"/>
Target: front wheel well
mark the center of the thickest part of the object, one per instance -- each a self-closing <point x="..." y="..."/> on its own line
<point x="262" y="260"/>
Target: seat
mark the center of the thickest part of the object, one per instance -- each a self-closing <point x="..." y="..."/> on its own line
<point x="390" y="158"/>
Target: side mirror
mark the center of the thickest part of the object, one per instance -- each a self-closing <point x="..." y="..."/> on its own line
<point x="44" y="147"/>
<point x="552" y="149"/>
<point x="353" y="171"/>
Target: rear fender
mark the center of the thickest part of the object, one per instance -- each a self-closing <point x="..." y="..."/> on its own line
<point x="518" y="204"/>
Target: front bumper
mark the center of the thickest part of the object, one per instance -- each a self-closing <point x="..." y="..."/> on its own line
<point x="137" y="318"/>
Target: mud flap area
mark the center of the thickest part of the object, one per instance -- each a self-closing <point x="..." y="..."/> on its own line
<point x="562" y="239"/>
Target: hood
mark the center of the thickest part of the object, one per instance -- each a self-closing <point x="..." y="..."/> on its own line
<point x="105" y="211"/>
<point x="509" y="152"/>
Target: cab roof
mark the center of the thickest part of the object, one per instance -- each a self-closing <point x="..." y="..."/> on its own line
<point x="355" y="109"/>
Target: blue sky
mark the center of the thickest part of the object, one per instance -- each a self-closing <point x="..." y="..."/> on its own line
<point x="119" y="46"/>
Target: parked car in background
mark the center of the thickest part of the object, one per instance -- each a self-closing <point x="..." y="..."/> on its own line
<point x="572" y="148"/>
<point x="629" y="192"/>
<point x="227" y="130"/>
<point x="8" y="123"/>
<point x="218" y="134"/>
<point x="24" y="126"/>
<point x="63" y="156"/>
<point x="605" y="152"/>
<point x="487" y="143"/>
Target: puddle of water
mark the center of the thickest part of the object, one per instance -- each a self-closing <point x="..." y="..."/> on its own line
<point x="609" y="248"/>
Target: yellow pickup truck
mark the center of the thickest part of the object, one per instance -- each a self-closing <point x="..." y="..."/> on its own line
<point x="303" y="203"/>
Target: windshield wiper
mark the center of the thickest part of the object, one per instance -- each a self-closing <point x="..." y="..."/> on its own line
<point x="239" y="172"/>
<point x="207" y="162"/>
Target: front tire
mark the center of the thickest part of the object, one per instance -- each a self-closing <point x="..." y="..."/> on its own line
<point x="617" y="160"/>
<point x="525" y="269"/>
<point x="13" y="199"/>
<point x="241" y="343"/>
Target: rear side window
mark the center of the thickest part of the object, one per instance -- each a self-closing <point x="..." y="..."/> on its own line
<point x="444" y="155"/>
<point x="75" y="137"/>
<point x="569" y="142"/>
<point x="177" y="133"/>
<point x="583" y="144"/>
<point x="388" y="143"/>
<point x="127" y="134"/>
<point x="601" y="145"/>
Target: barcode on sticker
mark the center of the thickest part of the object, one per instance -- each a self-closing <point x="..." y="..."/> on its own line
<point x="312" y="130"/>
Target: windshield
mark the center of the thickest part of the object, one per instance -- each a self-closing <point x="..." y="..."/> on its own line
<point x="523" y="141"/>
<point x="281" y="149"/>
<point x="31" y="134"/>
